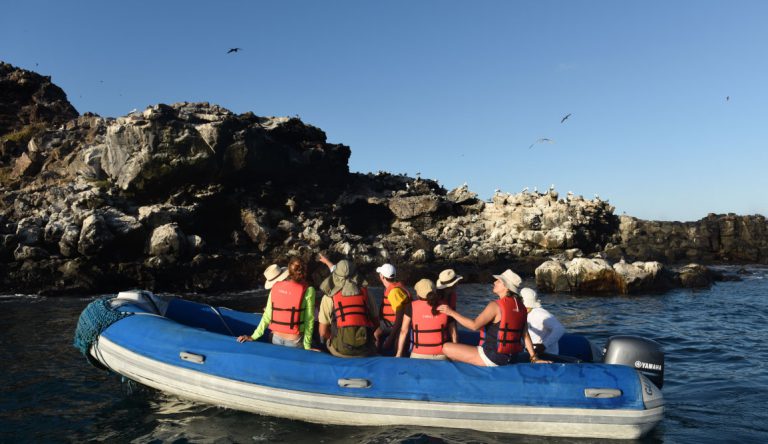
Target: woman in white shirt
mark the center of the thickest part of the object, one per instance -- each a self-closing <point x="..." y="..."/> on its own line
<point x="544" y="328"/>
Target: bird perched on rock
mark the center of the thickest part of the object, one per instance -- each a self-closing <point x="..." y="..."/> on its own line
<point x="291" y="204"/>
<point x="231" y="50"/>
<point x="542" y="140"/>
<point x="565" y="118"/>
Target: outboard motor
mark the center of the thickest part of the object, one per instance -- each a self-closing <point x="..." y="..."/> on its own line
<point x="639" y="353"/>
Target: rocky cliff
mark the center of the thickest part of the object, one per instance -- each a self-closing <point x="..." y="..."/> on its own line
<point x="192" y="197"/>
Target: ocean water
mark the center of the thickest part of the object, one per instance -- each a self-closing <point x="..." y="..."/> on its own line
<point x="716" y="379"/>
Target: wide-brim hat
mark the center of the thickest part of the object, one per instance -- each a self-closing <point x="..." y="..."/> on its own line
<point x="274" y="274"/>
<point x="511" y="280"/>
<point x="343" y="279"/>
<point x="424" y="287"/>
<point x="447" y="278"/>
<point x="530" y="298"/>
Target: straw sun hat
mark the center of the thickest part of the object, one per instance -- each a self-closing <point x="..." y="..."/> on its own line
<point x="447" y="278"/>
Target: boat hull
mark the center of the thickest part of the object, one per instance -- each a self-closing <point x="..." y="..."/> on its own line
<point x="576" y="400"/>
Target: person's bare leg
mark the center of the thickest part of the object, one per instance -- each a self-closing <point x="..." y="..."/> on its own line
<point x="463" y="353"/>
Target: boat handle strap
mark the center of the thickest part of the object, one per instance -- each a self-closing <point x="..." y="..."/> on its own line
<point x="602" y="393"/>
<point x="192" y="357"/>
<point x="354" y="383"/>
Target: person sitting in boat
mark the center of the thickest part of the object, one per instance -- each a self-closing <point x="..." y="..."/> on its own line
<point x="393" y="304"/>
<point x="290" y="310"/>
<point x="502" y="326"/>
<point x="429" y="328"/>
<point x="446" y="288"/>
<point x="347" y="315"/>
<point x="544" y="328"/>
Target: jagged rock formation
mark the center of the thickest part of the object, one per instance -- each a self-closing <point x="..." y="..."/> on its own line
<point x="29" y="103"/>
<point x="191" y="196"/>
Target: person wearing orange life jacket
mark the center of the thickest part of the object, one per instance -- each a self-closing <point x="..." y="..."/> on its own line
<point x="502" y="324"/>
<point x="347" y="315"/>
<point x="446" y="288"/>
<point x="395" y="299"/>
<point x="290" y="309"/>
<point x="429" y="328"/>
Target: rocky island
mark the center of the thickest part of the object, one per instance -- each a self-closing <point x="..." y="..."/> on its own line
<point x="192" y="197"/>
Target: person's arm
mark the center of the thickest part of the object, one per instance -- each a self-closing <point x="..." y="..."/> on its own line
<point x="555" y="331"/>
<point x="529" y="347"/>
<point x="324" y="318"/>
<point x="398" y="299"/>
<point x="483" y="319"/>
<point x="405" y="326"/>
<point x="309" y="317"/>
<point x="266" y="319"/>
<point x="321" y="257"/>
<point x="454" y="332"/>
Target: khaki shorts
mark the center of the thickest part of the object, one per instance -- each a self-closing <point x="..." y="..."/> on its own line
<point x="338" y="354"/>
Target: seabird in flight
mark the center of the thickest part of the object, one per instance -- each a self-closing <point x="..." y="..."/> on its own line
<point x="542" y="140"/>
<point x="231" y="50"/>
<point x="565" y="118"/>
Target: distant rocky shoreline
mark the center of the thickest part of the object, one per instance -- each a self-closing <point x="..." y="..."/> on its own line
<point x="192" y="197"/>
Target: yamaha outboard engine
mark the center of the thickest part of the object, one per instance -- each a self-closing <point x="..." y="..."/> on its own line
<point x="642" y="354"/>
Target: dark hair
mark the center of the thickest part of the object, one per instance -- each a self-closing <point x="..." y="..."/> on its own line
<point x="434" y="299"/>
<point x="297" y="270"/>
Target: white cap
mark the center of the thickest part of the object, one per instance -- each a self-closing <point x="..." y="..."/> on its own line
<point x="530" y="299"/>
<point x="386" y="270"/>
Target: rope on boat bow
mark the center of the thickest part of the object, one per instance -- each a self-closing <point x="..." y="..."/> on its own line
<point x="96" y="317"/>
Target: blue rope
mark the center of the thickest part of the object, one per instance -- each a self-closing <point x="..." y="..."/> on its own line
<point x="96" y="317"/>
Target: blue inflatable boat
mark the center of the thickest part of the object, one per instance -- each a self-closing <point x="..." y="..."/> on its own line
<point x="189" y="350"/>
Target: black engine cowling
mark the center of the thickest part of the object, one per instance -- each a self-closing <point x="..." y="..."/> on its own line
<point x="644" y="355"/>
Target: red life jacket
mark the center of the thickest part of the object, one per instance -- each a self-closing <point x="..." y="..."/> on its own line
<point x="286" y="306"/>
<point x="507" y="333"/>
<point x="429" y="331"/>
<point x="386" y="313"/>
<point x="351" y="311"/>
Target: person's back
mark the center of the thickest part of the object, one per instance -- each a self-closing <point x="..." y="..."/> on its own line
<point x="543" y="326"/>
<point x="353" y="325"/>
<point x="429" y="330"/>
<point x="347" y="316"/>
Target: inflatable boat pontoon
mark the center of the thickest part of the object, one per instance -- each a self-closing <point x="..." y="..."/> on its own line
<point x="189" y="349"/>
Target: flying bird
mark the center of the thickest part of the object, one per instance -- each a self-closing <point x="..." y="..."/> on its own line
<point x="727" y="98"/>
<point x="231" y="50"/>
<point x="565" y="118"/>
<point x="542" y="140"/>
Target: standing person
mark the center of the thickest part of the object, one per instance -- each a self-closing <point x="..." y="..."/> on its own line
<point x="290" y="310"/>
<point x="430" y="328"/>
<point x="395" y="299"/>
<point x="446" y="288"/>
<point x="347" y="315"/>
<point x="544" y="328"/>
<point x="502" y="324"/>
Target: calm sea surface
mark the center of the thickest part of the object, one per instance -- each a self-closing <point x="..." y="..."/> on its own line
<point x="716" y="386"/>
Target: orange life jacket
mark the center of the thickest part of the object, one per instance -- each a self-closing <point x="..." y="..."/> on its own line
<point x="505" y="336"/>
<point x="351" y="311"/>
<point x="286" y="306"/>
<point x="429" y="331"/>
<point x="386" y="313"/>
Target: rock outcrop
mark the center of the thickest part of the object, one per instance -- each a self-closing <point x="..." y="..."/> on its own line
<point x="192" y="197"/>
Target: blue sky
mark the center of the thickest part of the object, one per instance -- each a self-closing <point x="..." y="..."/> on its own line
<point x="455" y="91"/>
